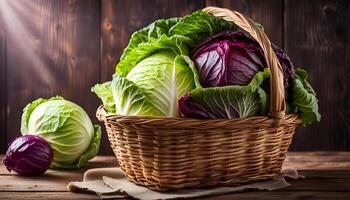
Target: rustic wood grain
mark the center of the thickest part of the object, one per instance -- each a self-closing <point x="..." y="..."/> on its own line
<point x="3" y="139"/>
<point x="318" y="160"/>
<point x="56" y="182"/>
<point x="320" y="184"/>
<point x="323" y="166"/>
<point x="273" y="195"/>
<point x="277" y="195"/>
<point x="319" y="156"/>
<point x="323" y="172"/>
<point x="267" y="12"/>
<point x="52" y="49"/>
<point x="316" y="36"/>
<point x="336" y="164"/>
<point x="47" y="183"/>
<point x="97" y="162"/>
<point x="52" y="180"/>
<point x="47" y="196"/>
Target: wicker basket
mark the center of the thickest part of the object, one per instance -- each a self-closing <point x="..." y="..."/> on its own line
<point x="171" y="153"/>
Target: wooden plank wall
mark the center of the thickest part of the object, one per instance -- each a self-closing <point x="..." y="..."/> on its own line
<point x="52" y="49"/>
<point x="65" y="47"/>
<point x="3" y="132"/>
<point x="267" y="12"/>
<point x="316" y="36"/>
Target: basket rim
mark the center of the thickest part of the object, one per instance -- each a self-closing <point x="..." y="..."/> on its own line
<point x="265" y="119"/>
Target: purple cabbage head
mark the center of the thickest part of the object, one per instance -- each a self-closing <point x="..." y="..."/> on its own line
<point x="232" y="58"/>
<point x="28" y="155"/>
<point x="228" y="58"/>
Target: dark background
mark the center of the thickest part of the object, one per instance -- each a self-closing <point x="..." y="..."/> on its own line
<point x="65" y="47"/>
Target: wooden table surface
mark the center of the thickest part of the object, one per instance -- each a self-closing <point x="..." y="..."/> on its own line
<point x="327" y="177"/>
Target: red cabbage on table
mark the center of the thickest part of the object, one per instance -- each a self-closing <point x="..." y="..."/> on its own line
<point x="28" y="155"/>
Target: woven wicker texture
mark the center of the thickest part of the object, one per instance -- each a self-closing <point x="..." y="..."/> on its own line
<point x="171" y="153"/>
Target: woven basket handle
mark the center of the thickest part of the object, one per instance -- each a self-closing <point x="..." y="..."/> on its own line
<point x="101" y="114"/>
<point x="277" y="107"/>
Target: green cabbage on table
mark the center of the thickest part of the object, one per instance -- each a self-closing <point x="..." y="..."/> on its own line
<point x="66" y="127"/>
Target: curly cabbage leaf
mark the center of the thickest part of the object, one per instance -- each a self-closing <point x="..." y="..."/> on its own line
<point x="154" y="30"/>
<point x="304" y="98"/>
<point x="227" y="101"/>
<point x="200" y="25"/>
<point x="104" y="92"/>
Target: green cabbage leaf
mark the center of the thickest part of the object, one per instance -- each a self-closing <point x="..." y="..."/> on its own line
<point x="304" y="99"/>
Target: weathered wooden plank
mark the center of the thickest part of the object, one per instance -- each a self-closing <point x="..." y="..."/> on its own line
<point x="49" y="181"/>
<point x="318" y="165"/>
<point x="53" y="181"/>
<point x="329" y="184"/>
<point x="277" y="195"/>
<point x="52" y="49"/>
<point x="56" y="182"/>
<point x="317" y="37"/>
<point x="316" y="178"/>
<point x="335" y="162"/>
<point x="318" y="156"/>
<point x="77" y="174"/>
<point x="97" y="162"/>
<point x="318" y="160"/>
<point x="47" y="195"/>
<point x="3" y="95"/>
<point x="325" y="173"/>
<point x="267" y="12"/>
<point x="259" y="195"/>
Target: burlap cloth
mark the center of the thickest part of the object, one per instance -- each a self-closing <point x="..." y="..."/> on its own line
<point x="110" y="183"/>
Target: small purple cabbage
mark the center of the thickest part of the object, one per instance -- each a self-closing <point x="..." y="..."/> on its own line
<point x="28" y="155"/>
<point x="233" y="58"/>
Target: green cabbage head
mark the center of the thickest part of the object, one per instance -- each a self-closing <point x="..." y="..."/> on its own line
<point x="66" y="127"/>
<point x="154" y="86"/>
<point x="150" y="80"/>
